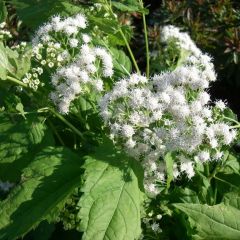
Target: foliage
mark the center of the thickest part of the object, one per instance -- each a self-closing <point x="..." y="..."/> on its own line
<point x="110" y="175"/>
<point x="74" y="174"/>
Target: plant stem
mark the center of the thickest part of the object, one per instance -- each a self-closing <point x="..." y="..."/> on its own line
<point x="56" y="133"/>
<point x="215" y="171"/>
<point x="219" y="179"/>
<point x="231" y="119"/>
<point x="206" y="168"/>
<point x="146" y="41"/>
<point x="236" y="126"/>
<point x="15" y="80"/>
<point x="130" y="51"/>
<point x="124" y="38"/>
<point x="74" y="129"/>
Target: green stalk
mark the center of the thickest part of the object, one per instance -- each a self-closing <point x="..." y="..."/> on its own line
<point x="231" y="119"/>
<point x="130" y="51"/>
<point x="124" y="39"/>
<point x="15" y="80"/>
<point x="146" y="41"/>
<point x="56" y="133"/>
<point x="206" y="168"/>
<point x="60" y="117"/>
<point x="228" y="183"/>
<point x="236" y="126"/>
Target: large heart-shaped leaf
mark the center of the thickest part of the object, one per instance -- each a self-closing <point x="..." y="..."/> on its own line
<point x="110" y="205"/>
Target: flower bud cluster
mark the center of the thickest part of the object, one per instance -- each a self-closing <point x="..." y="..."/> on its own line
<point x="69" y="214"/>
<point x="4" y="34"/>
<point x="168" y="113"/>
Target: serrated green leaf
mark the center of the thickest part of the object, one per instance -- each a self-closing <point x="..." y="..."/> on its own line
<point x="110" y="205"/>
<point x="46" y="184"/>
<point x="19" y="142"/>
<point x="218" y="222"/>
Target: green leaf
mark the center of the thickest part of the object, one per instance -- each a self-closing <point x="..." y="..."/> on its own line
<point x="13" y="63"/>
<point x="3" y="11"/>
<point x="129" y="6"/>
<point x="232" y="199"/>
<point x="42" y="232"/>
<point x="111" y="28"/>
<point x="230" y="114"/>
<point x="19" y="108"/>
<point x="218" y="222"/>
<point x="46" y="184"/>
<point x="185" y="195"/>
<point x="169" y="168"/>
<point x="232" y="164"/>
<point x="121" y="62"/>
<point x="110" y="205"/>
<point x="5" y="66"/>
<point x="19" y="142"/>
<point x="34" y="13"/>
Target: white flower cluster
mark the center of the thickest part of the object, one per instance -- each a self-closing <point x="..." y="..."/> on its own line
<point x="168" y="113"/>
<point x="81" y="76"/>
<point x="62" y="48"/>
<point x="4" y="34"/>
<point x="68" y="28"/>
<point x="182" y="39"/>
<point x="55" y="44"/>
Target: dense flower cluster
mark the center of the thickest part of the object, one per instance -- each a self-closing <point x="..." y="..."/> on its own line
<point x="182" y="39"/>
<point x="62" y="48"/>
<point x="55" y="44"/>
<point x="4" y="34"/>
<point x="81" y="76"/>
<point x="168" y="113"/>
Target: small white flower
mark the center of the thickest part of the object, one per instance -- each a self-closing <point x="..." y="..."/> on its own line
<point x="155" y="227"/>
<point x="73" y="42"/>
<point x="204" y="156"/>
<point x="127" y="131"/>
<point x="86" y="38"/>
<point x="220" y="105"/>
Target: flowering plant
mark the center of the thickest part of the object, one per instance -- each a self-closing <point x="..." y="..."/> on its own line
<point x="90" y="145"/>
